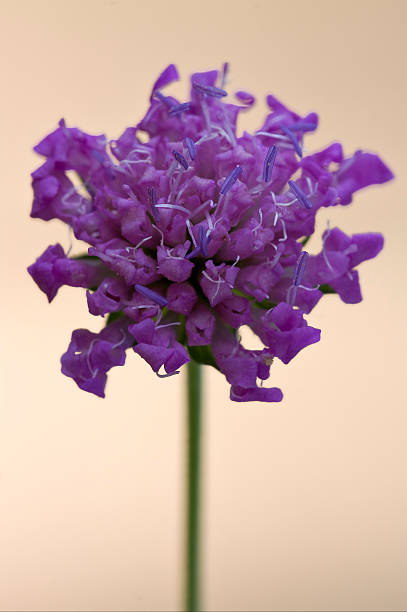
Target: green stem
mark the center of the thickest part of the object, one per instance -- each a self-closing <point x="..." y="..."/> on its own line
<point x="193" y="486"/>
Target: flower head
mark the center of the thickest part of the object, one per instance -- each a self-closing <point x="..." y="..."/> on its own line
<point x="197" y="231"/>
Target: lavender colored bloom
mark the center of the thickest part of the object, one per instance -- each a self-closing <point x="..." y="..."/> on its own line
<point x="172" y="263"/>
<point x="200" y="325"/>
<point x="217" y="282"/>
<point x="336" y="263"/>
<point x="255" y="394"/>
<point x="285" y="331"/>
<point x="141" y="305"/>
<point x="90" y="356"/>
<point x="181" y="298"/>
<point x="53" y="269"/>
<point x="360" y="170"/>
<point x="235" y="311"/>
<point x="197" y="232"/>
<point x="158" y="345"/>
<point x="110" y="296"/>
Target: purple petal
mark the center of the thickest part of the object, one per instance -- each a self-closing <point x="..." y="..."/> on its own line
<point x="167" y="76"/>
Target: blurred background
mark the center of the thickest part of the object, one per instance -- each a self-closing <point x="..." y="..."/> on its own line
<point x="305" y="501"/>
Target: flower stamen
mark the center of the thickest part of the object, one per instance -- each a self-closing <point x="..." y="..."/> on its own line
<point x="210" y="90"/>
<point x="300" y="195"/>
<point x="230" y="180"/>
<point x="181" y="159"/>
<point x="269" y="163"/>
<point x="152" y="295"/>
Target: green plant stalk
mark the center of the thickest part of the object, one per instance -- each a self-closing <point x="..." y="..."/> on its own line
<point x="194" y="400"/>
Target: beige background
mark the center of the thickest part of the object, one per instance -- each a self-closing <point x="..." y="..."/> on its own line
<point x="305" y="502"/>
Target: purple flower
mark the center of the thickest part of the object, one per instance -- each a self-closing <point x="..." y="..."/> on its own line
<point x="217" y="282"/>
<point x="110" y="296"/>
<point x="90" y="356"/>
<point x="172" y="263"/>
<point x="158" y="345"/>
<point x="200" y="325"/>
<point x="197" y="232"/>
<point x="53" y="269"/>
<point x="284" y="330"/>
<point x="336" y="263"/>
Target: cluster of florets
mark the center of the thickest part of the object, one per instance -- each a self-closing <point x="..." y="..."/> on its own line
<point x="196" y="232"/>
